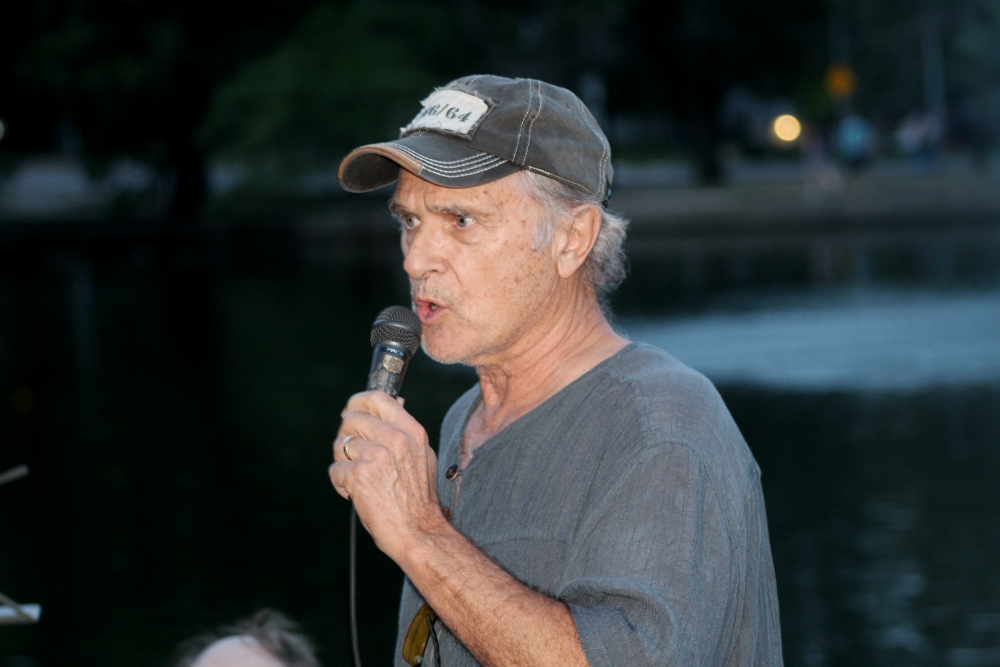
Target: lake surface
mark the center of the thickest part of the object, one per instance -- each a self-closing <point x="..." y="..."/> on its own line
<point x="858" y="340"/>
<point x="875" y="418"/>
<point x="183" y="401"/>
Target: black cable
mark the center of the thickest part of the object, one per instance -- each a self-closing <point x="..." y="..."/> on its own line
<point x="434" y="637"/>
<point x="352" y="586"/>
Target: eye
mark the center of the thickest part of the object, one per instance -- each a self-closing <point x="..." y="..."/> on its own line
<point x="411" y="221"/>
<point x="464" y="221"/>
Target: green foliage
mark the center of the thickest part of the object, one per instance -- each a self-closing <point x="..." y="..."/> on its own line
<point x="887" y="56"/>
<point x="348" y="75"/>
<point x="975" y="66"/>
<point x="107" y="76"/>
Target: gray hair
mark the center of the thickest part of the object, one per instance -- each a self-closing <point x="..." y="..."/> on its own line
<point x="606" y="263"/>
<point x="273" y="631"/>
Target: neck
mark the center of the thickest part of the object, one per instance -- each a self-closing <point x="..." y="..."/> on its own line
<point x="549" y="354"/>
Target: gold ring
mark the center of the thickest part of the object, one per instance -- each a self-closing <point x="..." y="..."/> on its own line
<point x="347" y="454"/>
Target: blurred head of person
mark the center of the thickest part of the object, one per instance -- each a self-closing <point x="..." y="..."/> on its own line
<point x="266" y="639"/>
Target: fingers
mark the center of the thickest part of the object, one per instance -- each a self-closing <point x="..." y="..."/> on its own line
<point x="381" y="451"/>
<point x="359" y="449"/>
<point x="381" y="405"/>
<point x="344" y="476"/>
<point x="397" y="437"/>
<point x="340" y="448"/>
<point x="339" y="477"/>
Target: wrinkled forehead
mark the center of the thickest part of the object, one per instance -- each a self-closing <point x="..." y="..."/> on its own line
<point x="495" y="198"/>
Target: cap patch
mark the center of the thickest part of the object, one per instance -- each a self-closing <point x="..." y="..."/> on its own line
<point x="449" y="111"/>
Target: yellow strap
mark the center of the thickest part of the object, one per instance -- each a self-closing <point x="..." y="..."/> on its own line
<point x="417" y="635"/>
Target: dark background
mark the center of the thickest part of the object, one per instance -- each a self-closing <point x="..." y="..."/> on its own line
<point x="175" y="348"/>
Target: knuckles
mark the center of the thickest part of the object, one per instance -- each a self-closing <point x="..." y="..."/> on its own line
<point x="397" y="440"/>
<point x="371" y="402"/>
<point x="381" y="455"/>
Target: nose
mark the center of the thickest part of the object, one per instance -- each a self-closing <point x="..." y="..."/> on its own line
<point x="423" y="250"/>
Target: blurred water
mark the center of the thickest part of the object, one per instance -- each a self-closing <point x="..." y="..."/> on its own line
<point x="185" y="399"/>
<point x="855" y="341"/>
<point x="875" y="417"/>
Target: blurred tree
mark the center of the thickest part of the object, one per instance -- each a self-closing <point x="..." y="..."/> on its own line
<point x="353" y="74"/>
<point x="129" y="77"/>
<point x="936" y="57"/>
<point x="553" y="40"/>
<point x="886" y="55"/>
<point x="974" y="61"/>
<point x="349" y="74"/>
<point x="700" y="49"/>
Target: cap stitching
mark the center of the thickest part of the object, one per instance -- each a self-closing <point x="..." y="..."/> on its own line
<point x="520" y="130"/>
<point x="559" y="178"/>
<point x="468" y="172"/>
<point x="473" y="159"/>
<point x="604" y="145"/>
<point x="479" y="154"/>
<point x="458" y="172"/>
<point x="459" y="165"/>
<point x="538" y="113"/>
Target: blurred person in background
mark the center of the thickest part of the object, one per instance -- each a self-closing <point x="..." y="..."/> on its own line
<point x="593" y="501"/>
<point x="266" y="639"/>
<point x="855" y="142"/>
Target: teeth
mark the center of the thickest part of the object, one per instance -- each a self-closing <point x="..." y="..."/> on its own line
<point x="434" y="306"/>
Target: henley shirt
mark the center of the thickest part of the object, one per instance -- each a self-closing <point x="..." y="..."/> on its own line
<point x="631" y="496"/>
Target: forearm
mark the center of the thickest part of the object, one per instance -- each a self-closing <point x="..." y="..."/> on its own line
<point x="498" y="619"/>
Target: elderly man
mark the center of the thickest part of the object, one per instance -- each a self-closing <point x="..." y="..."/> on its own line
<point x="593" y="501"/>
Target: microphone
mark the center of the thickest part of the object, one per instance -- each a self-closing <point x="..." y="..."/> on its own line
<point x="395" y="337"/>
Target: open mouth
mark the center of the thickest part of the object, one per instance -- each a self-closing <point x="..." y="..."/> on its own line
<point x="428" y="310"/>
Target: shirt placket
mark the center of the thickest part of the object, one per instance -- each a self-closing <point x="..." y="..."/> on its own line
<point x="453" y="476"/>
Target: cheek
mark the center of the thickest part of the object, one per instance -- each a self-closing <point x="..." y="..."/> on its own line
<point x="501" y="279"/>
<point x="516" y="285"/>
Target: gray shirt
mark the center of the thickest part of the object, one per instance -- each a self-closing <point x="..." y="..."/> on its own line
<point x="631" y="496"/>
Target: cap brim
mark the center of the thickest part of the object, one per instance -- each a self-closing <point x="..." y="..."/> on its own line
<point x="432" y="157"/>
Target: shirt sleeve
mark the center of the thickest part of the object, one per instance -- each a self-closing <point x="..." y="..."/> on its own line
<point x="652" y="577"/>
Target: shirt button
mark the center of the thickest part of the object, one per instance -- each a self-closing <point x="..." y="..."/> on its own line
<point x="447" y="513"/>
<point x="451" y="472"/>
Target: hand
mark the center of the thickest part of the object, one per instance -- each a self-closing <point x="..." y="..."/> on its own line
<point x="392" y="473"/>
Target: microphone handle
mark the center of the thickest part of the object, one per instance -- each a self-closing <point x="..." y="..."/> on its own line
<point x="389" y="362"/>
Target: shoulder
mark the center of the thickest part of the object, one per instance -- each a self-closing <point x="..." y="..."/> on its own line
<point x="670" y="396"/>
<point x="683" y="440"/>
<point x="672" y="404"/>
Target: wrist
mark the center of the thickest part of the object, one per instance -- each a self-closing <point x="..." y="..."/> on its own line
<point x="421" y="550"/>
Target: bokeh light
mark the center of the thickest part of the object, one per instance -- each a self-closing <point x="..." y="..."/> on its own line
<point x="840" y="81"/>
<point x="787" y="127"/>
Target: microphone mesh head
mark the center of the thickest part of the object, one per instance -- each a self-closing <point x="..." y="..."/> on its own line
<point x="397" y="324"/>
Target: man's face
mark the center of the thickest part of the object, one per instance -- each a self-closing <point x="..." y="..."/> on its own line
<point x="477" y="282"/>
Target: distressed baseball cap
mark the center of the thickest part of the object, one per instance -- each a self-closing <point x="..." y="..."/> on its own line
<point x="481" y="128"/>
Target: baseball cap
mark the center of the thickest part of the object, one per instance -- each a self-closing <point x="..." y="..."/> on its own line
<point x="481" y="128"/>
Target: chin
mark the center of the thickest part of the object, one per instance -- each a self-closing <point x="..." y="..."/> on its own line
<point x="437" y="356"/>
<point x="445" y="350"/>
<point x="438" y="350"/>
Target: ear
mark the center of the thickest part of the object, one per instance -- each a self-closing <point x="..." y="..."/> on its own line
<point x="576" y="237"/>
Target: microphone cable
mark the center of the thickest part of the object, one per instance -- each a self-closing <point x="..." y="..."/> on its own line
<point x="352" y="586"/>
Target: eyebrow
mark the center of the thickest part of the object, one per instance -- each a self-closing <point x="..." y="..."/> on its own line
<point x="400" y="211"/>
<point x="397" y="210"/>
